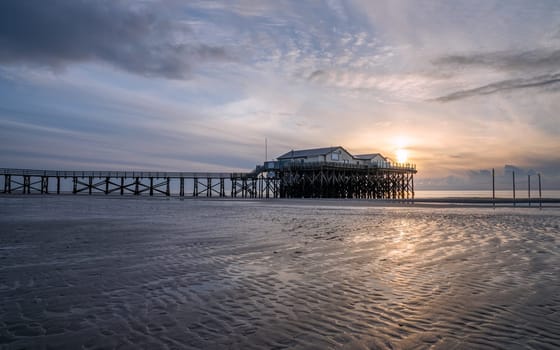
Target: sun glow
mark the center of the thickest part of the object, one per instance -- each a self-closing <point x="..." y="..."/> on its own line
<point x="402" y="155"/>
<point x="401" y="143"/>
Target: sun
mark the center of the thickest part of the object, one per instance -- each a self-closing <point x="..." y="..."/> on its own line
<point x="402" y="155"/>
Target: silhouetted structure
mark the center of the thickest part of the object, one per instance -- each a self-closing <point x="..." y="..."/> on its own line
<point x="313" y="173"/>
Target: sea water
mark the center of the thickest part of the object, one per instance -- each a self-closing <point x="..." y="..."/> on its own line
<point x="519" y="193"/>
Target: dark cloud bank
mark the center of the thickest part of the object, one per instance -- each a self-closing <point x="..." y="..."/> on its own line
<point x="507" y="60"/>
<point x="131" y="36"/>
<point x="544" y="81"/>
<point x="535" y="69"/>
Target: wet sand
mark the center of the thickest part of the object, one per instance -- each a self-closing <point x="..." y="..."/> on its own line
<point x="157" y="273"/>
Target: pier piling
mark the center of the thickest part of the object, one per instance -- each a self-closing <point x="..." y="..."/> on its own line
<point x="513" y="181"/>
<point x="309" y="180"/>
<point x="529" y="189"/>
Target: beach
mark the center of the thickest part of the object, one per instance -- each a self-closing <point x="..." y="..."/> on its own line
<point x="123" y="272"/>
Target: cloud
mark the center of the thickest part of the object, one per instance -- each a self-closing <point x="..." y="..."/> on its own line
<point x="316" y="75"/>
<point x="543" y="81"/>
<point x="532" y="60"/>
<point x="529" y="69"/>
<point x="305" y="74"/>
<point x="137" y="37"/>
<point x="471" y="179"/>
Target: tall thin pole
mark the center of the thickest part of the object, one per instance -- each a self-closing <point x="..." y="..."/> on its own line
<point x="540" y="193"/>
<point x="493" y="187"/>
<point x="265" y="149"/>
<point x="513" y="181"/>
<point x="529" y="189"/>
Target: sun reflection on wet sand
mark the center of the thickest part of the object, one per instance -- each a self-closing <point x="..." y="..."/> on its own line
<point x="277" y="276"/>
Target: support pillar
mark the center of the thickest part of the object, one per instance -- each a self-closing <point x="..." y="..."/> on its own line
<point x="412" y="186"/>
<point x="7" y="184"/>
<point x="493" y="188"/>
<point x="540" y="192"/>
<point x="44" y="184"/>
<point x="26" y="184"/>
<point x="513" y="182"/>
<point x="401" y="189"/>
<point x="529" y="189"/>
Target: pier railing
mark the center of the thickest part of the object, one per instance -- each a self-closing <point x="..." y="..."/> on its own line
<point x="119" y="174"/>
<point x="340" y="165"/>
<point x="195" y="184"/>
<point x="281" y="180"/>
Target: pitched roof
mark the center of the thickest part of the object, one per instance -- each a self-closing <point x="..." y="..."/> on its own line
<point x="369" y="156"/>
<point x="308" y="152"/>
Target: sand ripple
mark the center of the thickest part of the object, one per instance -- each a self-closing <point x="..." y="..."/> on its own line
<point x="138" y="273"/>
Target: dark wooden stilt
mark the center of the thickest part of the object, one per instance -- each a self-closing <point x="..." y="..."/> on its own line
<point x="529" y="189"/>
<point x="540" y="192"/>
<point x="7" y="184"/>
<point x="513" y="182"/>
<point x="493" y="188"/>
<point x="26" y="184"/>
<point x="45" y="184"/>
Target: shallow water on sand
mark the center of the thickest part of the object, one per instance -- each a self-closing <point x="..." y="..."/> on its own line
<point x="158" y="273"/>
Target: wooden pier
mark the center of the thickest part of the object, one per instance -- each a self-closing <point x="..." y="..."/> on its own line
<point x="271" y="180"/>
<point x="334" y="180"/>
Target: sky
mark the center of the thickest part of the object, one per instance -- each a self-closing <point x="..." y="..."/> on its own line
<point x="461" y="87"/>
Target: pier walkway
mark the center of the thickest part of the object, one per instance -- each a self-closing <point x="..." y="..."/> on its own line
<point x="271" y="180"/>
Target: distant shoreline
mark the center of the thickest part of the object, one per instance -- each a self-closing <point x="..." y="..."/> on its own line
<point x="422" y="202"/>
